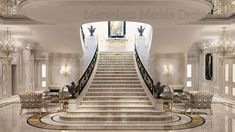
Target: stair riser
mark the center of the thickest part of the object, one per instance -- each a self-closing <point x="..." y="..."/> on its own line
<point x="116" y="108"/>
<point x="115" y="70"/>
<point x="90" y="113"/>
<point x="114" y="78"/>
<point x="116" y="119"/>
<point x="115" y="86"/>
<point x="116" y="103"/>
<point x="87" y="98"/>
<point x="121" y="73"/>
<point x="106" y="75"/>
<point x="113" y="66"/>
<point x="117" y="78"/>
<point x="116" y="63"/>
<point x="115" y="82"/>
<point x="113" y="56"/>
<point x="115" y="90"/>
<point x="116" y="59"/>
<point x="116" y="94"/>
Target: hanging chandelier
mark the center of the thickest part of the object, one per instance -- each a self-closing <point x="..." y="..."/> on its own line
<point x="8" y="7"/>
<point x="224" y="46"/>
<point x="7" y="45"/>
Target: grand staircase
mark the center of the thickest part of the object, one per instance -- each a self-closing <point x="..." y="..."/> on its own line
<point x="116" y="98"/>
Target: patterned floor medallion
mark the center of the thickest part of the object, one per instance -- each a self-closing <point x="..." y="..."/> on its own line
<point x="53" y="122"/>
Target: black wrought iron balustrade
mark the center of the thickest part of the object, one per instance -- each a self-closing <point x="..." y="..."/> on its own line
<point x="147" y="78"/>
<point x="86" y="75"/>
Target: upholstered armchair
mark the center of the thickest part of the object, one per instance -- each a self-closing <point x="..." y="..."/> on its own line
<point x="32" y="101"/>
<point x="199" y="100"/>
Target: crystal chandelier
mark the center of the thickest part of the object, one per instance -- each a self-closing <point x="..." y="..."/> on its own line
<point x="224" y="46"/>
<point x="7" y="46"/>
<point x="8" y="7"/>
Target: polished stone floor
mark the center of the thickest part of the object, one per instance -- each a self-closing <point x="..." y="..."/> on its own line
<point x="222" y="120"/>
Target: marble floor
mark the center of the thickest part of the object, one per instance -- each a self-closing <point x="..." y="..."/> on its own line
<point x="222" y="120"/>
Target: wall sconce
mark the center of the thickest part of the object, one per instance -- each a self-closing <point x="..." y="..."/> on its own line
<point x="65" y="70"/>
<point x="168" y="69"/>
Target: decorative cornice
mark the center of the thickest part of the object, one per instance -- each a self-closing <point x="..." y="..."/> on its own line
<point x="215" y="20"/>
<point x="108" y="2"/>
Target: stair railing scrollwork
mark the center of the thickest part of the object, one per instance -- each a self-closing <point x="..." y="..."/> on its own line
<point x="147" y="78"/>
<point x="86" y="75"/>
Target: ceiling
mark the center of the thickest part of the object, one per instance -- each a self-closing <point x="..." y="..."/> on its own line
<point x="57" y="22"/>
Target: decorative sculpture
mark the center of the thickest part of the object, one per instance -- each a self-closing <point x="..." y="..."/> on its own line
<point x="141" y="30"/>
<point x="72" y="89"/>
<point x="91" y="30"/>
<point x="158" y="89"/>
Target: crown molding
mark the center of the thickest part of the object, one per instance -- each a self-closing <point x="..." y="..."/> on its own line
<point x="29" y="3"/>
<point x="219" y="20"/>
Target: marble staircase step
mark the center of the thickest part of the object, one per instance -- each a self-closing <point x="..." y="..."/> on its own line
<point x="116" y="118"/>
<point x="108" y="108"/>
<point x="116" y="90"/>
<point x="114" y="112"/>
<point x="116" y="86"/>
<point x="117" y="59"/>
<point x="116" y="72"/>
<point x="113" y="66"/>
<point x="116" y="64"/>
<point x="115" y="55"/>
<point x="116" y="69"/>
<point x="116" y="82"/>
<point x="118" y="98"/>
<point x="116" y="94"/>
<point x="115" y="102"/>
<point x="116" y="75"/>
<point x="115" y="78"/>
<point x="111" y="57"/>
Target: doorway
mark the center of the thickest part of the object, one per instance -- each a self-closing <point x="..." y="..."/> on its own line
<point x="14" y="79"/>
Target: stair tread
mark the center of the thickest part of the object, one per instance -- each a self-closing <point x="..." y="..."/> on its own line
<point x="119" y="84"/>
<point x="116" y="89"/>
<point x="115" y="116"/>
<point x="116" y="101"/>
<point x="119" y="96"/>
<point x="113" y="111"/>
<point x="115" y="106"/>
<point x="115" y="92"/>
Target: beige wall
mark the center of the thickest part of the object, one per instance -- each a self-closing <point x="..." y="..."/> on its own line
<point x="55" y="61"/>
<point x="156" y="68"/>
